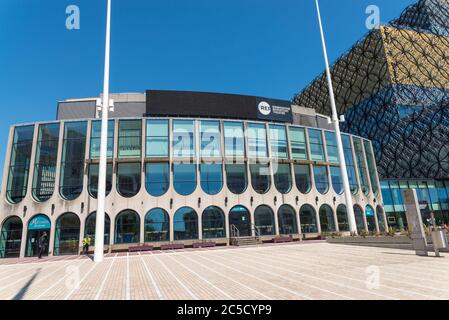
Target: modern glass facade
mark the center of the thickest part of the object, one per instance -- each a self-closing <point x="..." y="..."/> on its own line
<point x="176" y="179"/>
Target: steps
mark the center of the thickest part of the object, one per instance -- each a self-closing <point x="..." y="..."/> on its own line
<point x="245" y="241"/>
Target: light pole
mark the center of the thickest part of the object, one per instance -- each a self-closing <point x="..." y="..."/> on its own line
<point x="99" y="224"/>
<point x="336" y="123"/>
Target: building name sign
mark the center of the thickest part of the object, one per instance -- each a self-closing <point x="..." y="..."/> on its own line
<point x="275" y="110"/>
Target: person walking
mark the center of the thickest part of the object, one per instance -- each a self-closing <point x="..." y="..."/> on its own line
<point x="86" y="244"/>
<point x="42" y="244"/>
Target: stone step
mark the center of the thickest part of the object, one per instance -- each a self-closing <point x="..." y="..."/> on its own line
<point x="245" y="241"/>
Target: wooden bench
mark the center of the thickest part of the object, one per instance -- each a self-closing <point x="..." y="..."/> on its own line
<point x="282" y="239"/>
<point x="207" y="244"/>
<point x="172" y="246"/>
<point x="140" y="248"/>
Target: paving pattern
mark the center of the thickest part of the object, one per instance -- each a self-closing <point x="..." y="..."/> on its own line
<point x="287" y="271"/>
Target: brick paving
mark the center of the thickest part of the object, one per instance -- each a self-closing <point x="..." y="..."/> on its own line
<point x="315" y="270"/>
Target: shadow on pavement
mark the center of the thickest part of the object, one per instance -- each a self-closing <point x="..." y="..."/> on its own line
<point x="24" y="289"/>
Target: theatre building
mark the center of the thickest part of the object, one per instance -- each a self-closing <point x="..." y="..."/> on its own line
<point x="183" y="168"/>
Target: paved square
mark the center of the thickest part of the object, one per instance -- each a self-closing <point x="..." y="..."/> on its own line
<point x="289" y="271"/>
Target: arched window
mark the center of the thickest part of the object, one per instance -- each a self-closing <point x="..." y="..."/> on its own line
<point x="19" y="165"/>
<point x="240" y="219"/>
<point x="287" y="220"/>
<point x="93" y="179"/>
<point x="67" y="234"/>
<point x="264" y="220"/>
<point x="260" y="177"/>
<point x="211" y="177"/>
<point x="302" y="177"/>
<point x="184" y="178"/>
<point x="370" y="220"/>
<point x="185" y="224"/>
<point x="307" y="218"/>
<point x="342" y="218"/>
<point x="36" y="227"/>
<point x="89" y="230"/>
<point x="327" y="221"/>
<point x="237" y="179"/>
<point x="380" y="218"/>
<point x="127" y="227"/>
<point x="337" y="183"/>
<point x="11" y="237"/>
<point x="321" y="179"/>
<point x="359" y="221"/>
<point x="213" y="221"/>
<point x="157" y="178"/>
<point x="73" y="158"/>
<point x="157" y="225"/>
<point x="128" y="179"/>
<point x="46" y="160"/>
<point x="282" y="177"/>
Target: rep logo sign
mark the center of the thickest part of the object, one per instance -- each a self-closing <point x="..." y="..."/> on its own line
<point x="264" y="108"/>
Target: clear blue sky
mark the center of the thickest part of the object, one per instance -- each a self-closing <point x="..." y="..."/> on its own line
<point x="258" y="47"/>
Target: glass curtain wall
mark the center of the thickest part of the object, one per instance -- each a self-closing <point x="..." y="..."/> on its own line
<point x="19" y="165"/>
<point x="46" y="161"/>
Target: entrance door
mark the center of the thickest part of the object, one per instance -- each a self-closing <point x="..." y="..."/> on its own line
<point x="36" y="228"/>
<point x="240" y="217"/>
<point x="32" y="249"/>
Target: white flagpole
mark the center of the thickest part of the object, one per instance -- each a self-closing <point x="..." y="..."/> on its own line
<point x="336" y="122"/>
<point x="99" y="224"/>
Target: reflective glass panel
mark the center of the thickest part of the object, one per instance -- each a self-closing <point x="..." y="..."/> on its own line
<point x="260" y="177"/>
<point x="95" y="139"/>
<point x="129" y="138"/>
<point x="321" y="179"/>
<point x="184" y="178"/>
<point x="72" y="164"/>
<point x="302" y="177"/>
<point x="89" y="230"/>
<point x="298" y="143"/>
<point x="210" y="139"/>
<point x="213" y="221"/>
<point x="307" y="218"/>
<point x="19" y="165"/>
<point x="327" y="219"/>
<point x="282" y="177"/>
<point x="183" y="138"/>
<point x="157" y="178"/>
<point x="316" y="145"/>
<point x="337" y="182"/>
<point x="371" y="166"/>
<point x="185" y="224"/>
<point x="128" y="179"/>
<point x="264" y="220"/>
<point x="257" y="140"/>
<point x="331" y="146"/>
<point x="127" y="227"/>
<point x="45" y="161"/>
<point x="350" y="166"/>
<point x="287" y="220"/>
<point x="157" y="138"/>
<point x="236" y="177"/>
<point x="211" y="177"/>
<point x="157" y="225"/>
<point x="363" y="173"/>
<point x="278" y="141"/>
<point x="234" y="139"/>
<point x="93" y="179"/>
<point x="342" y="218"/>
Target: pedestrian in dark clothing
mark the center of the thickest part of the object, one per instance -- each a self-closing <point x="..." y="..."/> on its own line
<point x="42" y="244"/>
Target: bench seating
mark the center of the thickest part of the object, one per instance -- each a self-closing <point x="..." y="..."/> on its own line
<point x="282" y="239"/>
<point x="140" y="248"/>
<point x="172" y="246"/>
<point x="207" y="244"/>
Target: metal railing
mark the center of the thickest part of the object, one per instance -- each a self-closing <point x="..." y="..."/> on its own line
<point x="235" y="233"/>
